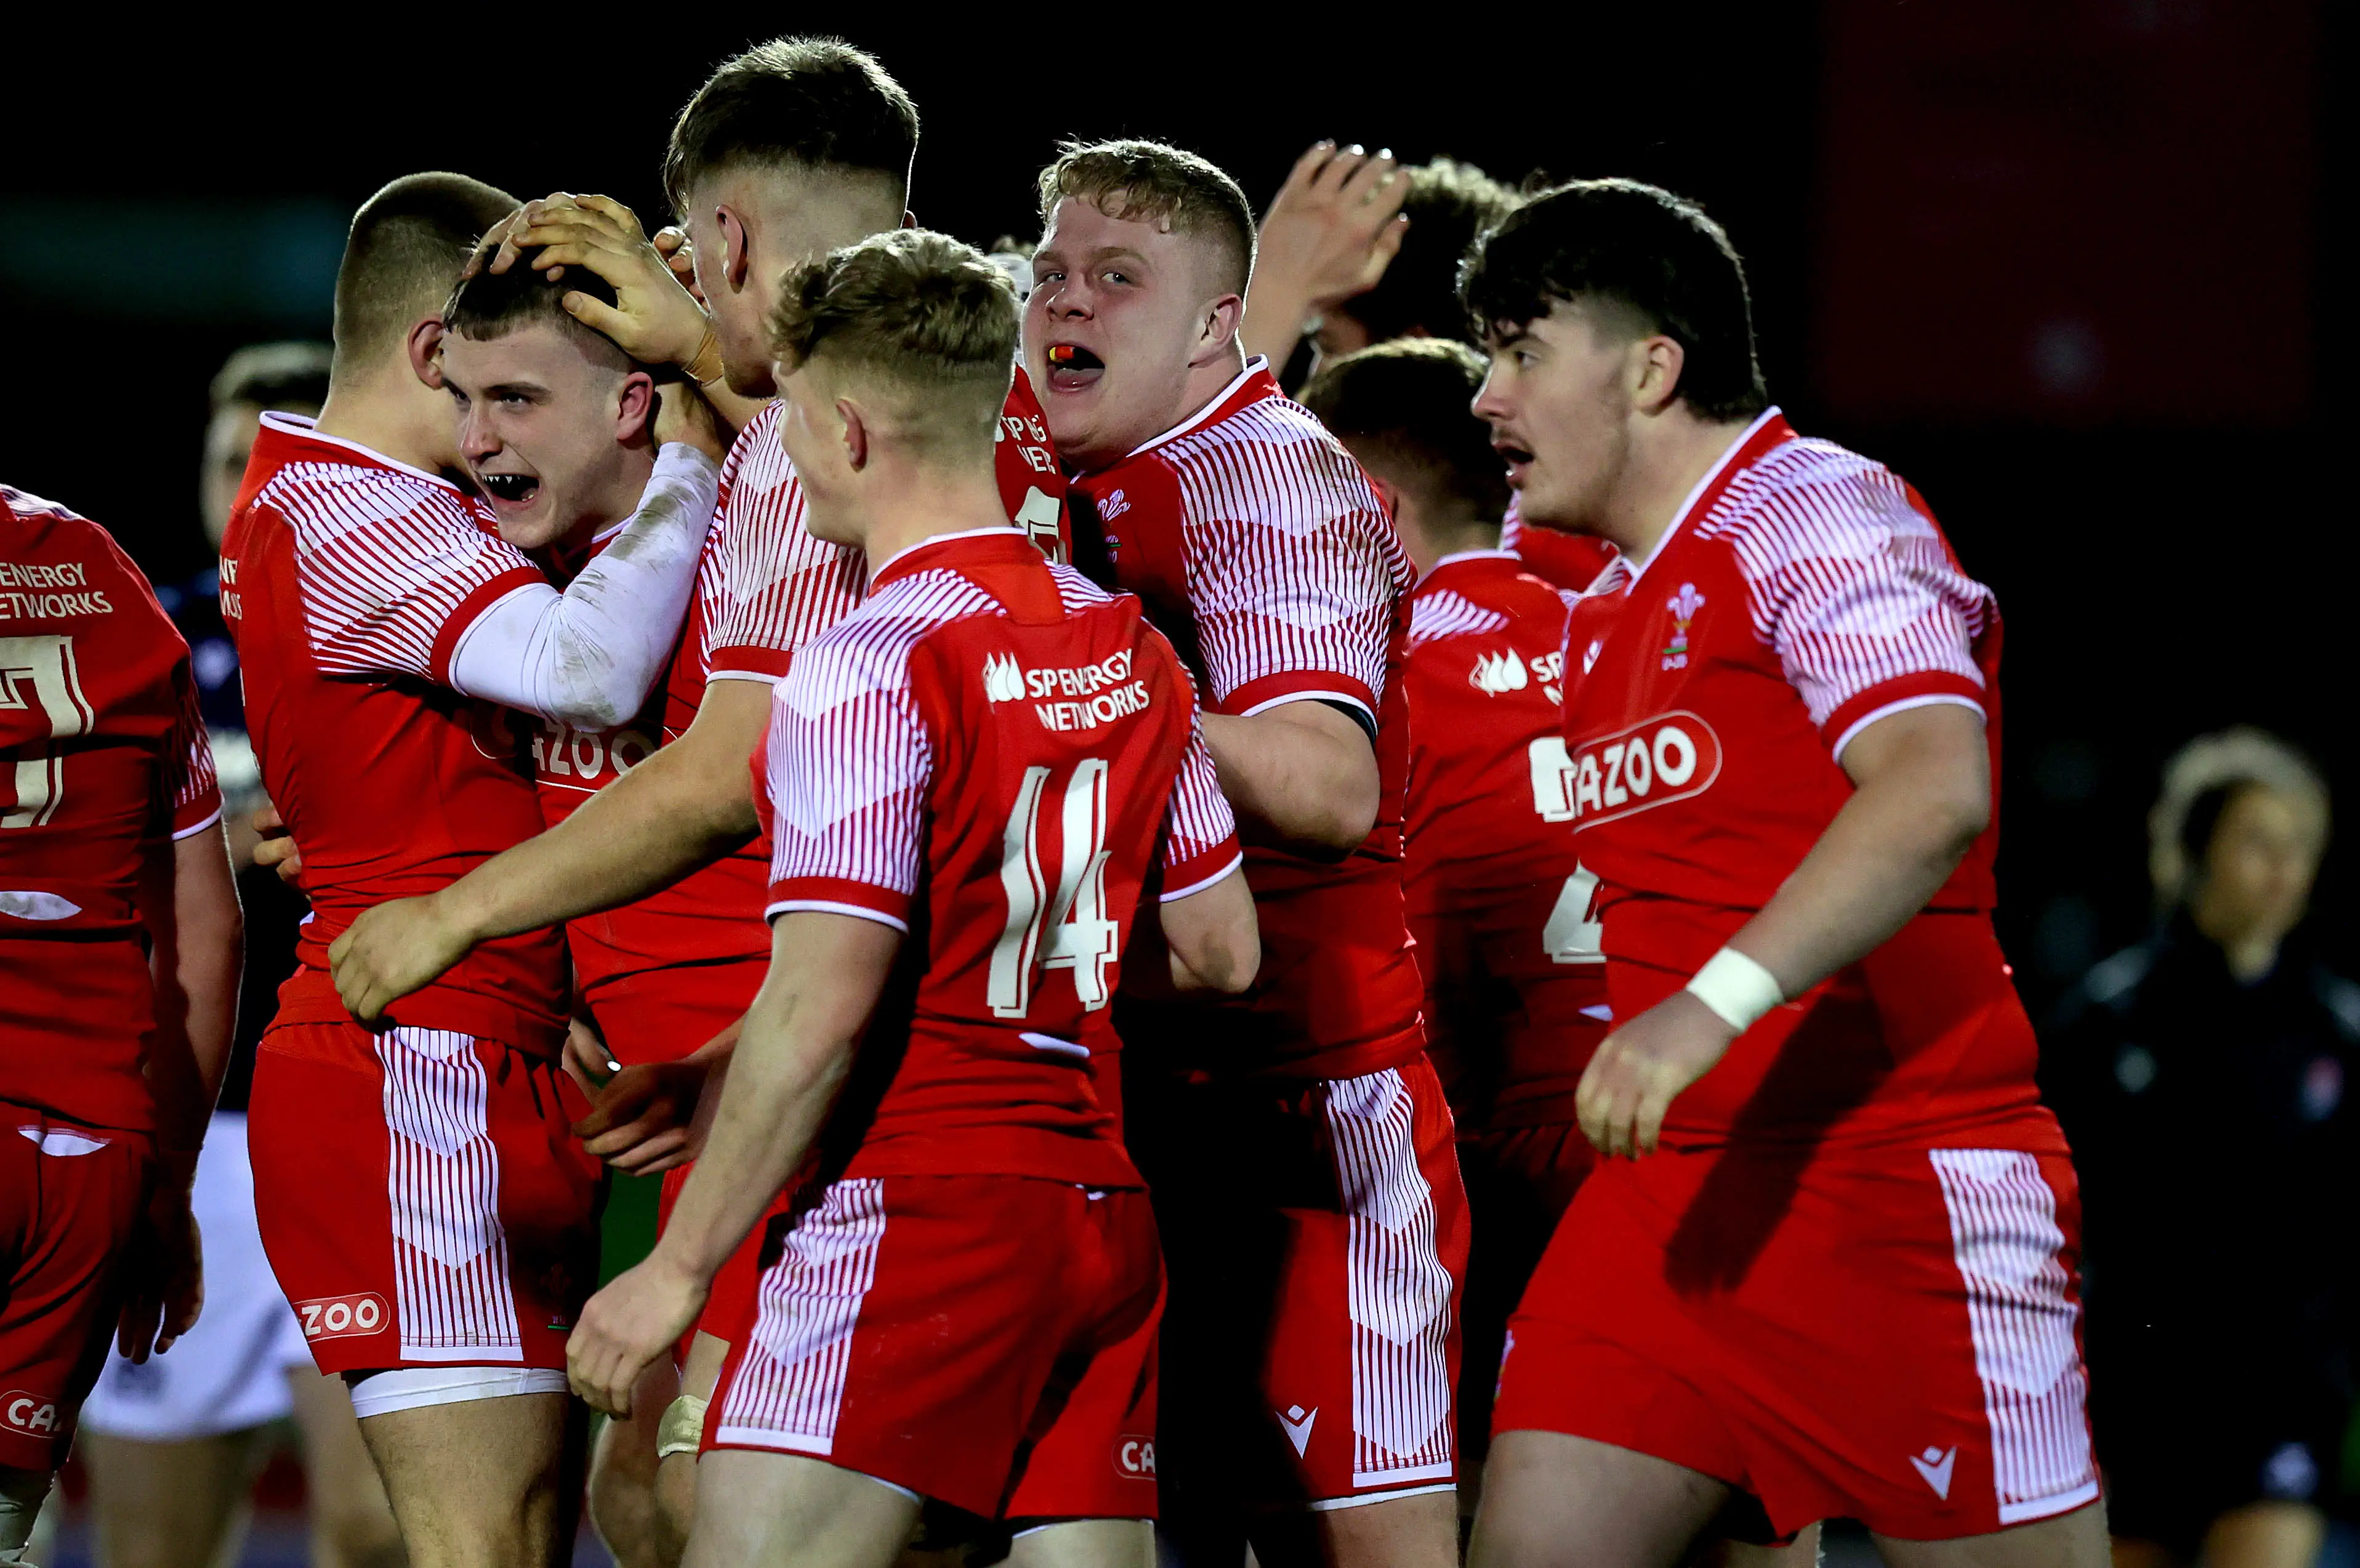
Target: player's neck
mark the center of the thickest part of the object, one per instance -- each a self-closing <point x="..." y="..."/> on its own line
<point x="394" y="414"/>
<point x="1206" y="382"/>
<point x="619" y="498"/>
<point x="923" y="502"/>
<point x="1431" y="538"/>
<point x="1669" y="455"/>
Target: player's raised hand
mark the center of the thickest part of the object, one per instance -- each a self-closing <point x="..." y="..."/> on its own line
<point x="641" y="1123"/>
<point x="638" y="1316"/>
<point x="1336" y="224"/>
<point x="393" y="950"/>
<point x="1642" y="1068"/>
<point x="1330" y="232"/>
<point x="275" y="847"/>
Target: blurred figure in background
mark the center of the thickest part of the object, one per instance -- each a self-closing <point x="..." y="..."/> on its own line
<point x="173" y="1444"/>
<point x="2204" y="1077"/>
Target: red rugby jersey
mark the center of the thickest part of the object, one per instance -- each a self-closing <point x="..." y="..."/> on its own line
<point x="103" y="759"/>
<point x="1802" y="593"/>
<point x="1571" y="561"/>
<point x="764" y="588"/>
<point x="347" y="580"/>
<point x="994" y="755"/>
<point x="1515" y="984"/>
<point x="1263" y="552"/>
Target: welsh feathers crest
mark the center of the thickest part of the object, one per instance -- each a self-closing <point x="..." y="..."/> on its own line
<point x="1684" y="606"/>
<point x="1003" y="680"/>
<point x="1497" y="673"/>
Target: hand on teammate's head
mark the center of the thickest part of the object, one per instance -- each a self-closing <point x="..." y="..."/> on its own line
<point x="655" y="319"/>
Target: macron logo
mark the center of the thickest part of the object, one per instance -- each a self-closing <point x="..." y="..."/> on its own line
<point x="1936" y="1465"/>
<point x="1497" y="673"/>
<point x="1297" y="1423"/>
<point x="1003" y="678"/>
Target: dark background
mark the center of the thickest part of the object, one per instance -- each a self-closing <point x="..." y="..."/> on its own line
<point x="2058" y="263"/>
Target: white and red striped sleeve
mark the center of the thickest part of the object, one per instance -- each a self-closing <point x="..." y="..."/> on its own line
<point x="1200" y="832"/>
<point x="1294" y="569"/>
<point x="775" y="587"/>
<point x="1855" y="591"/>
<point x="850" y="769"/>
<point x="192" y="788"/>
<point x="392" y="568"/>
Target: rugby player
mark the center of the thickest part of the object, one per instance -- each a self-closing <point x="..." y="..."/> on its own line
<point x="1827" y="1266"/>
<point x="973" y="779"/>
<point x="1296" y="1141"/>
<point x="420" y="1194"/>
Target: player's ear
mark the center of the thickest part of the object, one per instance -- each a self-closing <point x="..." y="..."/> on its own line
<point x="856" y="433"/>
<point x="635" y="410"/>
<point x="425" y="347"/>
<point x="1217" y="329"/>
<point x="736" y="260"/>
<point x="1654" y="369"/>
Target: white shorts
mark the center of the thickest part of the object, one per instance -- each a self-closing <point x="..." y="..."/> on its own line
<point x="230" y="1372"/>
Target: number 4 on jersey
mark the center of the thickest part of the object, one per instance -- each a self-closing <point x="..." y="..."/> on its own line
<point x="1065" y="928"/>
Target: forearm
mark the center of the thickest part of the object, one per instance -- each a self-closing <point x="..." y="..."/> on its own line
<point x="1276" y="308"/>
<point x="773" y="1102"/>
<point x="1887" y="852"/>
<point x="656" y="824"/>
<point x="198" y="960"/>
<point x="589" y="655"/>
<point x="1298" y="779"/>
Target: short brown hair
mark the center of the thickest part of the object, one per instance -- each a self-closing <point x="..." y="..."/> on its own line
<point x="404" y="251"/>
<point x="817" y="105"/>
<point x="1410" y="400"/>
<point x="493" y="304"/>
<point x="1448" y="206"/>
<point x="920" y="312"/>
<point x="1149" y="181"/>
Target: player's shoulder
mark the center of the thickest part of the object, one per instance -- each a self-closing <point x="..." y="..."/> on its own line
<point x="871" y="647"/>
<point x="73" y="551"/>
<point x="756" y="452"/>
<point x="1258" y="453"/>
<point x="330" y="500"/>
<point x="1805" y="495"/>
<point x="1481" y="595"/>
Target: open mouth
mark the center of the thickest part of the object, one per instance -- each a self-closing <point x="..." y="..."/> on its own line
<point x="1517" y="459"/>
<point x="1073" y="367"/>
<point x="509" y="489"/>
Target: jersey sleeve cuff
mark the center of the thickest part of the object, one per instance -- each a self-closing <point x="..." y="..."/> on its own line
<point x="1932" y="689"/>
<point x="839" y="895"/>
<point x="465" y="614"/>
<point x="746" y="662"/>
<point x="1269" y="691"/>
<point x="197" y="816"/>
<point x="1201" y="871"/>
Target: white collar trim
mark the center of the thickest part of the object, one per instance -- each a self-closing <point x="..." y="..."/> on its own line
<point x="908" y="550"/>
<point x="1680" y="517"/>
<point x="1204" y="415"/>
<point x="301" y="425"/>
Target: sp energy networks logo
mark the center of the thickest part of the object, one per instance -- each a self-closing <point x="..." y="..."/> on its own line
<point x="1495" y="673"/>
<point x="1003" y="678"/>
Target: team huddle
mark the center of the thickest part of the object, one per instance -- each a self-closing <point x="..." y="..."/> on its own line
<point x="1191" y="960"/>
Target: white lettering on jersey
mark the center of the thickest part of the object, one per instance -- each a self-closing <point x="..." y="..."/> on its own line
<point x="1669" y="757"/>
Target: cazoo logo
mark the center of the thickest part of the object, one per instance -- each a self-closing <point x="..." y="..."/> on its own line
<point x="1652" y="763"/>
<point x="342" y="1317"/>
<point x="1134" y="1458"/>
<point x="37" y="1417"/>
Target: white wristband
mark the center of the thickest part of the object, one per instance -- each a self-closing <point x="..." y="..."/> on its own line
<point x="1736" y="988"/>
